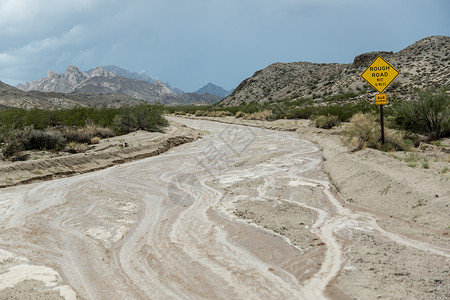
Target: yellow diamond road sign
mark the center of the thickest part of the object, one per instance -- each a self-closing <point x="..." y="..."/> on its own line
<point x="380" y="74"/>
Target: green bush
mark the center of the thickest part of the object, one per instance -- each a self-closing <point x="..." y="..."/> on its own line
<point x="300" y="113"/>
<point x="30" y="138"/>
<point x="141" y="117"/>
<point x="39" y="129"/>
<point x="148" y="116"/>
<point x="429" y="114"/>
<point x="326" y="122"/>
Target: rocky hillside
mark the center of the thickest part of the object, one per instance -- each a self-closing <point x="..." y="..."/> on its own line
<point x="189" y="98"/>
<point x="13" y="97"/>
<point x="422" y="64"/>
<point x="125" y="73"/>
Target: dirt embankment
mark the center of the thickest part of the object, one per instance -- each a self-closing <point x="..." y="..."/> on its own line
<point x="43" y="165"/>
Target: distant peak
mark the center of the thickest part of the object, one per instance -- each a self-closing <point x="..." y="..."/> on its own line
<point x="213" y="89"/>
<point x="100" y="71"/>
<point x="72" y="70"/>
<point x="51" y="73"/>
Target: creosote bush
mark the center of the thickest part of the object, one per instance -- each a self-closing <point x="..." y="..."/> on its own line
<point x="429" y="114"/>
<point x="326" y="122"/>
<point x="141" y="117"/>
<point x="30" y="138"/>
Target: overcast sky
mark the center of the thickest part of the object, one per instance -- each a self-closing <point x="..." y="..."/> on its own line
<point x="189" y="43"/>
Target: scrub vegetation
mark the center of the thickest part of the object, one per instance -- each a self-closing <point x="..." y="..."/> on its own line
<point x="425" y="119"/>
<point x="429" y="114"/>
<point x="303" y="108"/>
<point x="39" y="129"/>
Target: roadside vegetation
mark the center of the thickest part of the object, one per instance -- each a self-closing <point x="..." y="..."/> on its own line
<point x="303" y="108"/>
<point x="407" y="124"/>
<point x="72" y="129"/>
<point x="428" y="115"/>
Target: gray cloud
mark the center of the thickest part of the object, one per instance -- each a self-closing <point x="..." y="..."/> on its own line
<point x="189" y="43"/>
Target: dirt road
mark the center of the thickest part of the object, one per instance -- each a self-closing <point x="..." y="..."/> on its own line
<point x="243" y="213"/>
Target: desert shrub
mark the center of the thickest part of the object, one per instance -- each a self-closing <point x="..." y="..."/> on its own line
<point x="45" y="140"/>
<point x="86" y="133"/>
<point x="299" y="113"/>
<point x="239" y="114"/>
<point x="141" y="117"/>
<point x="102" y="132"/>
<point x="215" y="113"/>
<point x="429" y="114"/>
<point x="12" y="148"/>
<point x="364" y="131"/>
<point x="394" y="141"/>
<point x="200" y="113"/>
<point x="95" y="140"/>
<point x="74" y="147"/>
<point x="30" y="138"/>
<point x="326" y="122"/>
<point x="80" y="117"/>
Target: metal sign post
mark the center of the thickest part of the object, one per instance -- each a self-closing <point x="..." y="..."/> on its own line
<point x="382" y="124"/>
<point x="379" y="75"/>
<point x="381" y="100"/>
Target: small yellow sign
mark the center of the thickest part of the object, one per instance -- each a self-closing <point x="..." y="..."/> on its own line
<point x="380" y="99"/>
<point x="380" y="74"/>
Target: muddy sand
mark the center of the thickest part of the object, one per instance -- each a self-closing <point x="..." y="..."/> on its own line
<point x="272" y="224"/>
<point x="405" y="198"/>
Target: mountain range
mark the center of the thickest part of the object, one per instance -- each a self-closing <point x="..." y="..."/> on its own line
<point x="425" y="63"/>
<point x="13" y="97"/>
<point x="115" y="80"/>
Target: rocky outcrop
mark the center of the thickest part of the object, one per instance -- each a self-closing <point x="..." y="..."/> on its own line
<point x="102" y="72"/>
<point x="365" y="59"/>
<point x="422" y="64"/>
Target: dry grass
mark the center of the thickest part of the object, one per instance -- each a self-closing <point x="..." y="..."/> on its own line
<point x="74" y="147"/>
<point x="365" y="132"/>
<point x="240" y="114"/>
<point x="260" y="115"/>
<point x="95" y="140"/>
<point x="87" y="133"/>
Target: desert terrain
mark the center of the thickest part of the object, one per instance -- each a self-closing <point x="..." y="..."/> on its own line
<point x="274" y="210"/>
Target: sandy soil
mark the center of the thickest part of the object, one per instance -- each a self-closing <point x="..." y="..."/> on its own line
<point x="45" y="165"/>
<point x="242" y="213"/>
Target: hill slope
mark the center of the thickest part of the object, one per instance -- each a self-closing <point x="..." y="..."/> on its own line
<point x="424" y="63"/>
